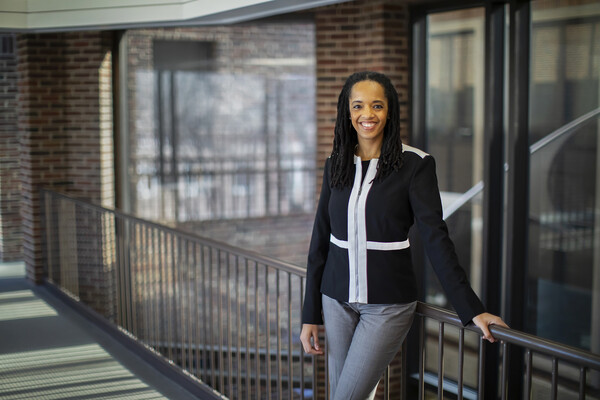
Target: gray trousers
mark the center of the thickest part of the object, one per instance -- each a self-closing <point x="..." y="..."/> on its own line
<point x="362" y="339"/>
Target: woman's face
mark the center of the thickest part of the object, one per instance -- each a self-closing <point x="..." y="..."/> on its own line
<point x="368" y="110"/>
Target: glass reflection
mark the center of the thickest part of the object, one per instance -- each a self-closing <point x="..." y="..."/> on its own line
<point x="455" y="130"/>
<point x="223" y="123"/>
<point x="564" y="267"/>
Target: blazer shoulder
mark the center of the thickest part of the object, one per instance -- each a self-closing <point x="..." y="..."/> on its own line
<point x="414" y="150"/>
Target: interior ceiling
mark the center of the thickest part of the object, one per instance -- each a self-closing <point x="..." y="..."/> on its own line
<point x="68" y="15"/>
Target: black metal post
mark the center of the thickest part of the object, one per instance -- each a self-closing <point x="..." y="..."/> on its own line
<point x="518" y="185"/>
<point x="493" y="192"/>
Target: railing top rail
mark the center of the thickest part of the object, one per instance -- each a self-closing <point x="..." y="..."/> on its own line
<point x="512" y="336"/>
<point x="256" y="257"/>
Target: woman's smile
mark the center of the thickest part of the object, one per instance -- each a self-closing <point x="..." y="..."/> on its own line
<point x="368" y="111"/>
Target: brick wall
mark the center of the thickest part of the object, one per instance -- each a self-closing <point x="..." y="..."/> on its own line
<point x="10" y="187"/>
<point x="355" y="36"/>
<point x="59" y="124"/>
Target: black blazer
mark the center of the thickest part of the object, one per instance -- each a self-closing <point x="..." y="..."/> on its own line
<point x="359" y="250"/>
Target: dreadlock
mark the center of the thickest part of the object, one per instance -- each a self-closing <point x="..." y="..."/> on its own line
<point x="345" y="137"/>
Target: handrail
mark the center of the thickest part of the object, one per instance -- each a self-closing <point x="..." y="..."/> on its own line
<point x="567" y="129"/>
<point x="512" y="336"/>
<point x="257" y="257"/>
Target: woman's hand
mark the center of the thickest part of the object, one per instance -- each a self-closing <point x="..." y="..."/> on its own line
<point x="310" y="331"/>
<point x="483" y="320"/>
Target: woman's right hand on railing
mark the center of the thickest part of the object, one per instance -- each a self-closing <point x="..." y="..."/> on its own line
<point x="310" y="339"/>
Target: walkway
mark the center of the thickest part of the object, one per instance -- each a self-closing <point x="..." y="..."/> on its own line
<point x="49" y="351"/>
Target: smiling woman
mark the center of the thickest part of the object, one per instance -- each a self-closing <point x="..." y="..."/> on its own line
<point x="360" y="281"/>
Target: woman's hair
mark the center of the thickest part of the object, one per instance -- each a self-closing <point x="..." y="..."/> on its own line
<point x="345" y="137"/>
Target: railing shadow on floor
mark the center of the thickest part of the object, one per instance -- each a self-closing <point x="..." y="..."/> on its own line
<point x="230" y="318"/>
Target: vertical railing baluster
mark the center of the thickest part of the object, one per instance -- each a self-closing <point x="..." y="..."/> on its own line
<point x="156" y="288"/>
<point x="554" y="390"/>
<point x="302" y="386"/>
<point x="278" y="327"/>
<point x="163" y="346"/>
<point x="238" y="328"/>
<point x="186" y="314"/>
<point x="386" y="383"/>
<point x="133" y="251"/>
<point x="212" y="344"/>
<point x="314" y="379"/>
<point x="256" y="331"/>
<point x="248" y="371"/>
<point x="528" y="373"/>
<point x="481" y="369"/>
<point x="197" y="314"/>
<point x="325" y="361"/>
<point x="267" y="333"/>
<point x="289" y="329"/>
<point x="180" y="325"/>
<point x="404" y="371"/>
<point x="582" y="383"/>
<point x="188" y="280"/>
<point x="504" y="380"/>
<point x="440" y="393"/>
<point x="422" y="358"/>
<point x="146" y="282"/>
<point x="220" y="321"/>
<point x="125" y="274"/>
<point x="171" y="296"/>
<point x="229" y="333"/>
<point x="461" y="361"/>
<point x="119" y="272"/>
<point x="205" y="314"/>
<point x="163" y="293"/>
<point x="145" y="271"/>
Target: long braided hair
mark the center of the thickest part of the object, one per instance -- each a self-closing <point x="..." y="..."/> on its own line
<point x="345" y="137"/>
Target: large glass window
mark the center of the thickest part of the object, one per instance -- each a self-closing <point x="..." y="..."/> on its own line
<point x="454" y="131"/>
<point x="564" y="246"/>
<point x="454" y="123"/>
<point x="221" y="121"/>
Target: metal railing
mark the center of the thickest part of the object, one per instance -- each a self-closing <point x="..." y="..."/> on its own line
<point x="579" y="374"/>
<point x="231" y="317"/>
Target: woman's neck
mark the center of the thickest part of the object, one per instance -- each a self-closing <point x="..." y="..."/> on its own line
<point x="368" y="151"/>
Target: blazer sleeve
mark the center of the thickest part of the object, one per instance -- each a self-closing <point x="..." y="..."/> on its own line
<point x="317" y="255"/>
<point x="427" y="207"/>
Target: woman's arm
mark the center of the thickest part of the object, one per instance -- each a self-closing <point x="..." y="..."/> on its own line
<point x="317" y="255"/>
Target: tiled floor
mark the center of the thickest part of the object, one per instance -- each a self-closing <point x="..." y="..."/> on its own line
<point x="48" y="351"/>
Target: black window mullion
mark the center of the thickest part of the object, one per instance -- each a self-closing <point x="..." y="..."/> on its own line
<point x="493" y="192"/>
<point x="518" y="184"/>
<point x="418" y="139"/>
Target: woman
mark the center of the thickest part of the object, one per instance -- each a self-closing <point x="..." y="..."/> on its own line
<point x="360" y="282"/>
